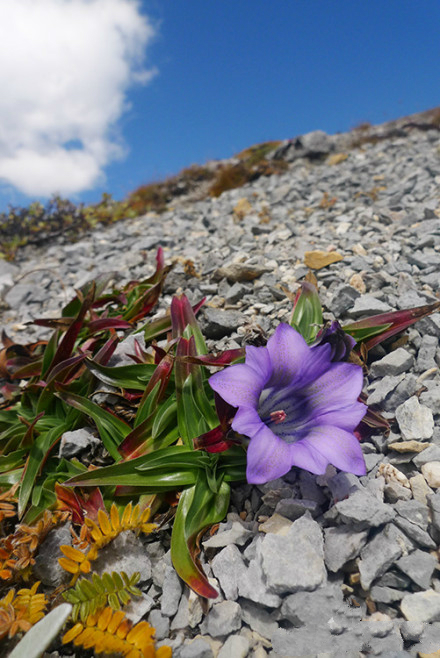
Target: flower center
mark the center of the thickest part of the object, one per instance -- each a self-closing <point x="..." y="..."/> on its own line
<point x="285" y="411"/>
<point x="278" y="416"/>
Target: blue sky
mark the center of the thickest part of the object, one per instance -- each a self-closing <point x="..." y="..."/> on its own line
<point x="191" y="80"/>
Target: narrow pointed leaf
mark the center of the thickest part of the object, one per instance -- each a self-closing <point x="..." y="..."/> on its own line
<point x="307" y="312"/>
<point x="67" y="343"/>
<point x="132" y="377"/>
<point x="107" y="323"/>
<point x="112" y="429"/>
<point x="396" y="322"/>
<point x="38" y="454"/>
<point x="221" y="359"/>
<point x="198" y="509"/>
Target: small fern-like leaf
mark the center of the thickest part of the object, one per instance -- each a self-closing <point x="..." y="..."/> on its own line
<point x="124" y="597"/>
<point x="100" y="587"/>
<point x="113" y="601"/>
<point x="108" y="581"/>
<point x="89" y="597"/>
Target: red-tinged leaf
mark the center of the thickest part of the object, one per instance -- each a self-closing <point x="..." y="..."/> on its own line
<point x="144" y="305"/>
<point x="199" y="508"/>
<point x="54" y="323"/>
<point x="107" y="323"/>
<point x="100" y="283"/>
<point x="183" y="314"/>
<point x="213" y="441"/>
<point x="373" y="421"/>
<point x="177" y="315"/>
<point x="159" y="352"/>
<point x="163" y="325"/>
<point x="28" y="437"/>
<point x="218" y="439"/>
<point x="221" y="359"/>
<point x="160" y="267"/>
<point x="183" y="367"/>
<point x="398" y="321"/>
<point x="66" y="370"/>
<point x="79" y="505"/>
<point x="134" y="443"/>
<point x="140" y="354"/>
<point x="161" y="374"/>
<point x="160" y="260"/>
<point x="32" y="369"/>
<point x="68" y="499"/>
<point x="88" y="345"/>
<point x="131" y="397"/>
<point x="9" y="391"/>
<point x="104" y="354"/>
<point x="67" y="343"/>
<point x="93" y="503"/>
<point x="120" y="299"/>
<point x="6" y="341"/>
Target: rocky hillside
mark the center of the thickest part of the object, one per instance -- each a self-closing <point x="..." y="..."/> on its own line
<point x="359" y="555"/>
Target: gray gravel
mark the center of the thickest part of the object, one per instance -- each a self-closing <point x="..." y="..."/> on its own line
<point x="333" y="565"/>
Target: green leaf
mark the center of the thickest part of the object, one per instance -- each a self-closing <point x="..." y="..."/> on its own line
<point x="166" y="415"/>
<point x="12" y="460"/>
<point x="364" y="333"/>
<point x="112" y="429"/>
<point x="98" y="583"/>
<point x="117" y="580"/>
<point x="307" y="312"/>
<point x="132" y="377"/>
<point x="108" y="582"/>
<point x="162" y="470"/>
<point x="188" y="413"/>
<point x="198" y="509"/>
<point x="37" y="456"/>
<point x="49" y="353"/>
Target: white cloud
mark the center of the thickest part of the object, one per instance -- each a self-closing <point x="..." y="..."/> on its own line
<point x="65" y="68"/>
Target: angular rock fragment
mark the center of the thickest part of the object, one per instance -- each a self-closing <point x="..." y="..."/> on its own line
<point x="415" y="420"/>
<point x="294" y="561"/>
<point x="421" y="606"/>
<point x="341" y="545"/>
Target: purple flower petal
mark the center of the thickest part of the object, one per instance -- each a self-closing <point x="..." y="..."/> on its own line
<point x="346" y="418"/>
<point x="305" y="455"/>
<point x="337" y="447"/>
<point x="336" y="388"/>
<point x="292" y="359"/>
<point x="288" y="353"/>
<point x="267" y="457"/>
<point x="258" y="359"/>
<point x="239" y="385"/>
<point x="247" y="421"/>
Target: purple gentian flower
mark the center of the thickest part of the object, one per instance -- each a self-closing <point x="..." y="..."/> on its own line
<point x="296" y="406"/>
<point x="341" y="343"/>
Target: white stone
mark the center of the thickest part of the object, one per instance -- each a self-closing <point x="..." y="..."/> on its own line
<point x="421" y="606"/>
<point x="415" y="420"/>
<point x="431" y="473"/>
